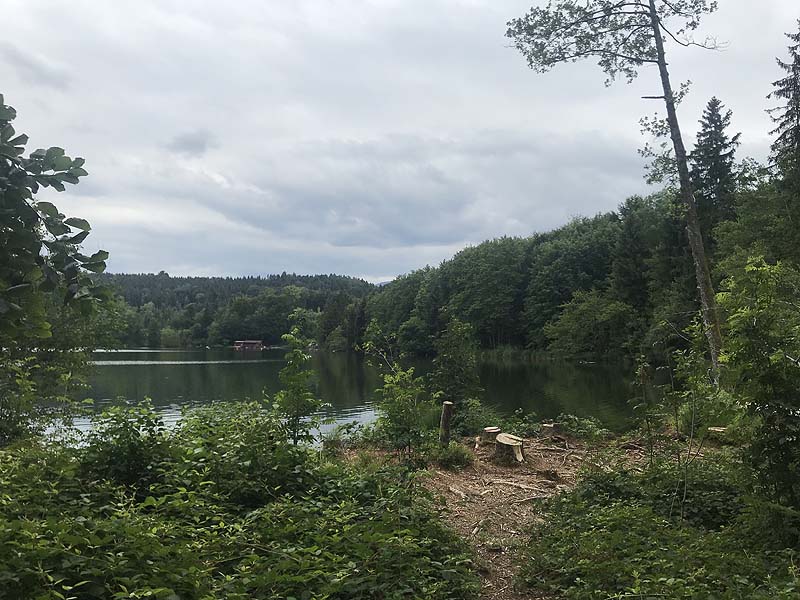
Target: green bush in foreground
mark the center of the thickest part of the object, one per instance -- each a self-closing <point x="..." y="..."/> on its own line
<point x="233" y="511"/>
<point x="620" y="535"/>
<point x="454" y="456"/>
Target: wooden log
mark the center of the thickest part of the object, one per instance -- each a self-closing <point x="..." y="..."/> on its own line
<point x="444" y="423"/>
<point x="489" y="435"/>
<point x="508" y="449"/>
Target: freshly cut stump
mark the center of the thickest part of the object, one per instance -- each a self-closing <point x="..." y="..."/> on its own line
<point x="489" y="434"/>
<point x="508" y="449"/>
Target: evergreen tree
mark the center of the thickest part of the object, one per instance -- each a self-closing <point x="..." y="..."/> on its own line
<point x="786" y="147"/>
<point x="712" y="171"/>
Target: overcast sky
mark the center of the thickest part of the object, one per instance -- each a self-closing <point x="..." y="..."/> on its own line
<point x="362" y="137"/>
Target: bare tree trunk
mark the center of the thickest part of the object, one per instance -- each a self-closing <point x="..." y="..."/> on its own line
<point x="708" y="303"/>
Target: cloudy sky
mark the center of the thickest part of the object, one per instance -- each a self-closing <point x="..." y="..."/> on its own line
<point x="363" y="137"/>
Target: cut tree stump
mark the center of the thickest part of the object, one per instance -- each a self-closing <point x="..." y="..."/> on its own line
<point x="444" y="423"/>
<point x="508" y="449"/>
<point x="548" y="429"/>
<point x="489" y="435"/>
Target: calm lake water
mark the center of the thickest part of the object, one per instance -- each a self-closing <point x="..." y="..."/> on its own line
<point x="174" y="379"/>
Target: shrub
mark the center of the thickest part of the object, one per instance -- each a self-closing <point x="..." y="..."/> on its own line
<point x="238" y="512"/>
<point x="522" y="424"/>
<point x="454" y="456"/>
<point x="588" y="428"/>
<point x="243" y="450"/>
<point x="619" y="535"/>
<point x="405" y="411"/>
<point x="471" y="416"/>
<point x="126" y="445"/>
<point x="296" y="403"/>
<point x="762" y="350"/>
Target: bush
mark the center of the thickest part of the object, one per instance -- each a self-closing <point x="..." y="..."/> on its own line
<point x="472" y="415"/>
<point x="237" y="512"/>
<point x="709" y="494"/>
<point x="619" y="535"/>
<point x="454" y="456"/>
<point x="406" y="411"/>
<point x="243" y="451"/>
<point x="588" y="428"/>
<point x="522" y="424"/>
<point x="762" y="349"/>
<point x="126" y="445"/>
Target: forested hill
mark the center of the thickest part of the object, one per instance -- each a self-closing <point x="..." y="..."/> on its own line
<point x="163" y="289"/>
<point x="162" y="310"/>
<point x="618" y="283"/>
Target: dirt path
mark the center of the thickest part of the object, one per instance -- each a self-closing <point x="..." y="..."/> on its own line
<point x="493" y="507"/>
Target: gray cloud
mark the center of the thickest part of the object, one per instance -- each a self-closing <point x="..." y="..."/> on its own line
<point x="192" y="143"/>
<point x="367" y="138"/>
<point x="33" y="68"/>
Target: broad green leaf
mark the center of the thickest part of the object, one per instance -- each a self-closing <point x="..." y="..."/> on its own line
<point x="53" y="152"/>
<point x="77" y="238"/>
<point x="81" y="224"/>
<point x="95" y="267"/>
<point x="6" y="132"/>
<point x="20" y="140"/>
<point x="47" y="208"/>
<point x="62" y="163"/>
<point x="100" y="255"/>
<point x="7" y="113"/>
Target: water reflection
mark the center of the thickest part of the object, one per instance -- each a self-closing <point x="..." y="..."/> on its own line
<point x="175" y="379"/>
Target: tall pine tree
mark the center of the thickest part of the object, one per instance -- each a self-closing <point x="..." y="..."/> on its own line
<point x="786" y="147"/>
<point x="712" y="168"/>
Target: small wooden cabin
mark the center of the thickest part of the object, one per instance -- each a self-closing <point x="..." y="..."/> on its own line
<point x="248" y="345"/>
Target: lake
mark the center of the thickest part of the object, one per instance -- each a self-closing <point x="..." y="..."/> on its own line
<point x="174" y="379"/>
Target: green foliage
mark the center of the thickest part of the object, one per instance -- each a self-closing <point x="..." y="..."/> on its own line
<point x="219" y="310"/>
<point x="619" y="35"/>
<point x="592" y="325"/>
<point x="713" y="168"/>
<point x="244" y="452"/>
<point x="452" y="457"/>
<point x="407" y="411"/>
<point x="625" y="539"/>
<point x="38" y="245"/>
<point x="588" y="428"/>
<point x="762" y="355"/>
<point x="47" y="295"/>
<point x="296" y="403"/>
<point x="126" y="446"/>
<point x="455" y="371"/>
<point x="521" y="423"/>
<point x="575" y="258"/>
<point x="235" y="513"/>
<point x="786" y="147"/>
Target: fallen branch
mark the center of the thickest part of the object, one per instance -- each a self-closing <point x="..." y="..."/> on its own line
<point x="521" y="486"/>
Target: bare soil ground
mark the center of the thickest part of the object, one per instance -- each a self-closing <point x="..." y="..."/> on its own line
<point x="495" y="507"/>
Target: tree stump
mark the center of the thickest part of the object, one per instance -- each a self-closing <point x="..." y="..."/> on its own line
<point x="444" y="424"/>
<point x="489" y="435"/>
<point x="548" y="429"/>
<point x="508" y="449"/>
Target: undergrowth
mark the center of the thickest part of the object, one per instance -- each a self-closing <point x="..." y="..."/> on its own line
<point x="661" y="534"/>
<point x="222" y="507"/>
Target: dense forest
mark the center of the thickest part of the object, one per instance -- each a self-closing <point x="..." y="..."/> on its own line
<point x="164" y="311"/>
